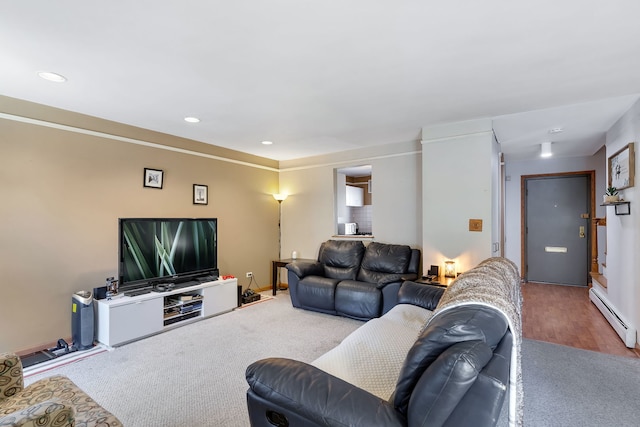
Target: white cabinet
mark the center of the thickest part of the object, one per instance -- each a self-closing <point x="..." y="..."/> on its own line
<point x="218" y="299"/>
<point x="125" y="319"/>
<point x="128" y="321"/>
<point x="355" y="196"/>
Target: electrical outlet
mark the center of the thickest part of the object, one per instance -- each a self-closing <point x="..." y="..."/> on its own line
<point x="249" y="274"/>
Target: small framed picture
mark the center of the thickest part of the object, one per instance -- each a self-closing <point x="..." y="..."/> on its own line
<point x="622" y="168"/>
<point x="200" y="194"/>
<point x="153" y="178"/>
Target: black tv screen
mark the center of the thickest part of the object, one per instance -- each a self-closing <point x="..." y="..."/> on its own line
<point x="163" y="249"/>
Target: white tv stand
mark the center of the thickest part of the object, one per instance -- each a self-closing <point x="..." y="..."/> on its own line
<point x="125" y="319"/>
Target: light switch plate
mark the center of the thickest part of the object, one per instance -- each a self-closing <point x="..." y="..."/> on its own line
<point x="475" y="225"/>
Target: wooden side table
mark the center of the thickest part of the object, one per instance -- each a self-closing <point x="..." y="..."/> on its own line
<point x="438" y="281"/>
<point x="279" y="263"/>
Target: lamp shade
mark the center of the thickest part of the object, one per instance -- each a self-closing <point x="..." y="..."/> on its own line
<point x="449" y="269"/>
<point x="280" y="197"/>
<point x="545" y="149"/>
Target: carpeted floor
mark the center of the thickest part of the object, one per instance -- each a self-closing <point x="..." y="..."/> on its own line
<point x="566" y="387"/>
<point x="194" y="375"/>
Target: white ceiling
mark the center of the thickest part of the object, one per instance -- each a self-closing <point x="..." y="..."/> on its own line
<point x="317" y="77"/>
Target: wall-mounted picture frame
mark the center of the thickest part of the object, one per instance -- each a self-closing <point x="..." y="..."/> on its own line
<point x="153" y="178"/>
<point x="200" y="194"/>
<point x="622" y="168"/>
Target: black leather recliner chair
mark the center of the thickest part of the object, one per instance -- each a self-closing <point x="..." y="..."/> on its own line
<point x="351" y="280"/>
<point x="456" y="374"/>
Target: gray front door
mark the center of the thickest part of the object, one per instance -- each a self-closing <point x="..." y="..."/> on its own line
<point x="556" y="230"/>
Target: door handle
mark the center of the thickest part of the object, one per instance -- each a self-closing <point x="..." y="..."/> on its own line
<point x="582" y="231"/>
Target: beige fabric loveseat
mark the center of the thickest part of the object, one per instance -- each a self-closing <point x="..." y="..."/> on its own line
<point x="54" y="401"/>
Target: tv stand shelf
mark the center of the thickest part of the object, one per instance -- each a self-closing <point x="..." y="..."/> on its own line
<point x="129" y="318"/>
<point x="181" y="307"/>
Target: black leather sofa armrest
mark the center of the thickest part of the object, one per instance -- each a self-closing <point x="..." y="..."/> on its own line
<point x="318" y="396"/>
<point x="422" y="295"/>
<point x="304" y="269"/>
<point x="409" y="276"/>
<point x="475" y="409"/>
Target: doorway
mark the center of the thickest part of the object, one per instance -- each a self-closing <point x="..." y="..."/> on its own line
<point x="556" y="219"/>
<point x="353" y="200"/>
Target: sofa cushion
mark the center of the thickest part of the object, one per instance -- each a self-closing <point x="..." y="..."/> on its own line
<point x="465" y="323"/>
<point x="341" y="259"/>
<point x="57" y="392"/>
<point x="359" y="300"/>
<point x="371" y="357"/>
<point x="317" y="291"/>
<point x="384" y="263"/>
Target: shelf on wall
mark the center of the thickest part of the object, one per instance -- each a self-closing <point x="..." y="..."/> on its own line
<point x="625" y="211"/>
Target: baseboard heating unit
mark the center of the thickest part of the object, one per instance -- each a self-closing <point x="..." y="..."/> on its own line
<point x="621" y="326"/>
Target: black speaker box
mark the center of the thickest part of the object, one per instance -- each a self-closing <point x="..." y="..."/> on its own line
<point x="100" y="292"/>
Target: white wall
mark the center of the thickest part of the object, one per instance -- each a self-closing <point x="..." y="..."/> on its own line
<point x="514" y="172"/>
<point x="623" y="243"/>
<point x="308" y="213"/>
<point x="496" y="206"/>
<point x="458" y="185"/>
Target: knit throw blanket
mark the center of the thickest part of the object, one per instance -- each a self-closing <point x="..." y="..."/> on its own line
<point x="495" y="282"/>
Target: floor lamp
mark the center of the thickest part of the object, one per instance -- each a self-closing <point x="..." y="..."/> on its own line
<point x="280" y="197"/>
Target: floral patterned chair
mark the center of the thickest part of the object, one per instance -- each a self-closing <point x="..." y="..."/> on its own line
<point x="54" y="401"/>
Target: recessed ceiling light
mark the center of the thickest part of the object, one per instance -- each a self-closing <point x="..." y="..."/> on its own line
<point x="267" y="142"/>
<point x="556" y="130"/>
<point x="52" y="77"/>
<point x="192" y="119"/>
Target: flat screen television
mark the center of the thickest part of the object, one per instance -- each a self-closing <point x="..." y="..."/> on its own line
<point x="162" y="250"/>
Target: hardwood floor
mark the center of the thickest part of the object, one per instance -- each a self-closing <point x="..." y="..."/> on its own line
<point x="564" y="315"/>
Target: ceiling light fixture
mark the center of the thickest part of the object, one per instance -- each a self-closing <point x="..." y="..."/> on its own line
<point x="192" y="119"/>
<point x="52" y="77"/>
<point x="545" y="149"/>
<point x="267" y="142"/>
<point x="555" y="130"/>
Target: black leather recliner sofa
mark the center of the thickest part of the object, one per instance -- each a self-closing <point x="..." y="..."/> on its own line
<point x="455" y="374"/>
<point x="351" y="280"/>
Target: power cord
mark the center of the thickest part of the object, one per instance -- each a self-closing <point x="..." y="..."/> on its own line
<point x="248" y="292"/>
<point x="251" y="282"/>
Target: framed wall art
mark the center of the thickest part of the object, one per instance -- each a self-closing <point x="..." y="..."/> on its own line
<point x="200" y="194"/>
<point x="622" y="168"/>
<point x="153" y="178"/>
